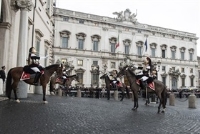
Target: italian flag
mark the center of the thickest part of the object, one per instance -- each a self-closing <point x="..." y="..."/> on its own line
<point x="117" y="44"/>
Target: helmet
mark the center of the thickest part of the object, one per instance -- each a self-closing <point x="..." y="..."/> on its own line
<point x="32" y="50"/>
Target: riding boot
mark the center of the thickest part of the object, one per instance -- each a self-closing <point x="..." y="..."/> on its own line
<point x="37" y="76"/>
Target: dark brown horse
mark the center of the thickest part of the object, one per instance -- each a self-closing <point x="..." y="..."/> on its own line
<point x="58" y="80"/>
<point x="14" y="76"/>
<point x="160" y="88"/>
<point x="108" y="86"/>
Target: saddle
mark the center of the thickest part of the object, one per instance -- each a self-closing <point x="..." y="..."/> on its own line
<point x="26" y="76"/>
<point x="149" y="84"/>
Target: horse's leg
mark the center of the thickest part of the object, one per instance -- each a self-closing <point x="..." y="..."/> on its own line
<point x="44" y="93"/>
<point x="108" y="94"/>
<point x="135" y="101"/>
<point x="161" y="100"/>
<point x="122" y="89"/>
<point x="14" y="87"/>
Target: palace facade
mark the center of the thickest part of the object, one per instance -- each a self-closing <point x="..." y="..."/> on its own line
<point x="85" y="41"/>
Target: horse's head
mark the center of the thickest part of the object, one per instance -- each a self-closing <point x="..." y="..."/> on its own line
<point x="59" y="70"/>
<point x="122" y="71"/>
<point x="104" y="76"/>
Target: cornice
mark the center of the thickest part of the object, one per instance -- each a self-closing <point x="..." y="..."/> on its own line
<point x="112" y="21"/>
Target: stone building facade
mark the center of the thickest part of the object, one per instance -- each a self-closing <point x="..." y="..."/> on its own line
<point x="85" y="41"/>
<point x="25" y="23"/>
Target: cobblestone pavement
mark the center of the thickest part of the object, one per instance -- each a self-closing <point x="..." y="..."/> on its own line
<point x="72" y="115"/>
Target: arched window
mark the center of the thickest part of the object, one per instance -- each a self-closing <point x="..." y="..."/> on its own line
<point x="95" y="42"/>
<point x="127" y="44"/>
<point x="81" y="39"/>
<point x="173" y="52"/>
<point x="153" y="49"/>
<point x="182" y="51"/>
<point x="64" y="35"/>
<point x="191" y="53"/>
<point x="163" y="50"/>
<point x="113" y="42"/>
<point x="139" y="45"/>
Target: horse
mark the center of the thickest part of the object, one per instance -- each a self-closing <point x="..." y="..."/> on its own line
<point x="108" y="86"/>
<point x="59" y="80"/>
<point x="14" y="75"/>
<point x="160" y="88"/>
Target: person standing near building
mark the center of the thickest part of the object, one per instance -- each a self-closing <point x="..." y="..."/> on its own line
<point x="3" y="74"/>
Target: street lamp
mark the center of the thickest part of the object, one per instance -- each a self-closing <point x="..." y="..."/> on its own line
<point x="158" y="63"/>
<point x="105" y="67"/>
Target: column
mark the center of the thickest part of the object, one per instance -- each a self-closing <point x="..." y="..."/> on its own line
<point x="24" y="6"/>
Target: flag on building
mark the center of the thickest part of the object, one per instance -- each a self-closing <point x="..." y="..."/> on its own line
<point x="117" y="44"/>
<point x="146" y="45"/>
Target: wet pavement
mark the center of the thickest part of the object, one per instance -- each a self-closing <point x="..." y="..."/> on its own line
<point x="73" y="115"/>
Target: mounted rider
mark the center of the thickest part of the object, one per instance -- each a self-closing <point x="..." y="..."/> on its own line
<point x="64" y="77"/>
<point x="147" y="72"/>
<point x="33" y="61"/>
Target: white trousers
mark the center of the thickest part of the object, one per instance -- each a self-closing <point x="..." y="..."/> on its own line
<point x="144" y="78"/>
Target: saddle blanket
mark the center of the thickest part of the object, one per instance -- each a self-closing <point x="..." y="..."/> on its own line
<point x="150" y="85"/>
<point x="26" y="76"/>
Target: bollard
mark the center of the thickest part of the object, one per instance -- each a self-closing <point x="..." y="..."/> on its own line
<point x="171" y="99"/>
<point x="59" y="92"/>
<point x="78" y="93"/>
<point x="191" y="101"/>
<point x="116" y="95"/>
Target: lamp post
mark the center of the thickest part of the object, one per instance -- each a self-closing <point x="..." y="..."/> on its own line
<point x="105" y="67"/>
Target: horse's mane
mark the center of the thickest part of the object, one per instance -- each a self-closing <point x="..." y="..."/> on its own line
<point x="50" y="66"/>
<point x="131" y="72"/>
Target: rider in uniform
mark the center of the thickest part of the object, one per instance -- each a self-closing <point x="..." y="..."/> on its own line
<point x="33" y="61"/>
<point x="145" y="76"/>
<point x="64" y="77"/>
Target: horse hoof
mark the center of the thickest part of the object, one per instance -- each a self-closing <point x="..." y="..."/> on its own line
<point x="45" y="102"/>
<point x="163" y="112"/>
<point x="134" y="109"/>
<point x="17" y="101"/>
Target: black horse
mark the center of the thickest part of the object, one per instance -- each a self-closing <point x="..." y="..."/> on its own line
<point x="109" y="86"/>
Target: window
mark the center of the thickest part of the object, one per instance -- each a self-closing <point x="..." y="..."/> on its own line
<point x="95" y="79"/>
<point x="112" y="64"/>
<point x="164" y="80"/>
<point x="80" y="44"/>
<point x="64" y="42"/>
<point x="95" y="46"/>
<point x="112" y="47"/>
<point x="45" y="60"/>
<point x="65" y="18"/>
<point x="163" y="53"/>
<point x="80" y="63"/>
<point x="139" y="48"/>
<point x="80" y="77"/>
<point x="153" y="52"/>
<point x="81" y="21"/>
<point x="163" y="68"/>
<point x="64" y="35"/>
<point x="127" y="44"/>
<point x="126" y="49"/>
<point x="191" y="70"/>
<point x="191" y="81"/>
<point x="183" y="82"/>
<point x="182" y="70"/>
<point x="173" y="68"/>
<point x="182" y="55"/>
<point x="191" y="56"/>
<point x="173" y="55"/>
<point x="38" y="46"/>
<point x="95" y="63"/>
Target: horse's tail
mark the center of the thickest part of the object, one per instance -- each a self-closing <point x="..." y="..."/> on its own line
<point x="8" y="84"/>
